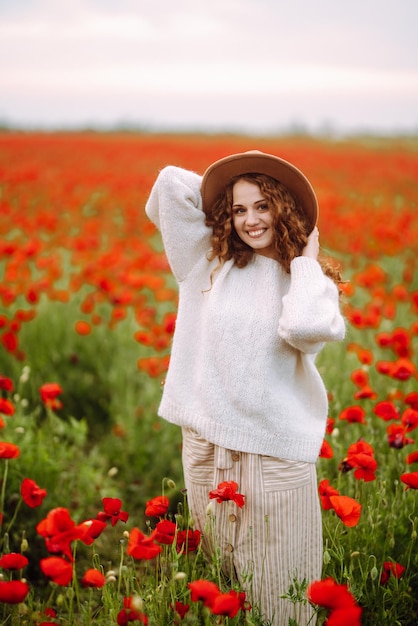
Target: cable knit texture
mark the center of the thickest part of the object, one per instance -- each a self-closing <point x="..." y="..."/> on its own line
<point x="242" y="370"/>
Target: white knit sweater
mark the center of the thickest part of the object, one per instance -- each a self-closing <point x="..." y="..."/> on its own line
<point x="242" y="371"/>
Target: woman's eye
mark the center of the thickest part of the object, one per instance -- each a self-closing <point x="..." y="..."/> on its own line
<point x="239" y="211"/>
<point x="263" y="207"/>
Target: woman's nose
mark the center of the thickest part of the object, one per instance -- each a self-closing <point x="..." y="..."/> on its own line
<point x="252" y="217"/>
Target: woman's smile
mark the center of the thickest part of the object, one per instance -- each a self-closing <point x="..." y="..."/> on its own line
<point x="256" y="233"/>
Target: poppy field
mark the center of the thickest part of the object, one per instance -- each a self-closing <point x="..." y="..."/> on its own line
<point x="94" y="521"/>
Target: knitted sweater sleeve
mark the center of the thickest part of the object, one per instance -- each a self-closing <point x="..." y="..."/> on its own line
<point x="175" y="207"/>
<point x="311" y="314"/>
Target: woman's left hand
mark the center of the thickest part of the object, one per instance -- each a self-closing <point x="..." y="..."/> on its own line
<point x="312" y="247"/>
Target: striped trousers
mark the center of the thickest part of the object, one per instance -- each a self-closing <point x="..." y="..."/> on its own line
<point x="274" y="538"/>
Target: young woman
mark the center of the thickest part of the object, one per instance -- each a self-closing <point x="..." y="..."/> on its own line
<point x="255" y="308"/>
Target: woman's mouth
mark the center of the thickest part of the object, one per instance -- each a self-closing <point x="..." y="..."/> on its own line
<point x="256" y="233"/>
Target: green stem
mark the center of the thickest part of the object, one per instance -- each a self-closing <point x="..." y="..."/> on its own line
<point x="3" y="489"/>
<point x="120" y="566"/>
<point x="19" y="504"/>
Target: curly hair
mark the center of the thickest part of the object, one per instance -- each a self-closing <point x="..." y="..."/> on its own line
<point x="289" y="225"/>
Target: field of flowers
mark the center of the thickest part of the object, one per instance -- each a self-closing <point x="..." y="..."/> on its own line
<point x="94" y="521"/>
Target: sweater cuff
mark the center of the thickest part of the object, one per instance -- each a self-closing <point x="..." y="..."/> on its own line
<point x="305" y="267"/>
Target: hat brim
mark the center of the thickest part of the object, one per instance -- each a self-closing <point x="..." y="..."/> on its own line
<point x="219" y="174"/>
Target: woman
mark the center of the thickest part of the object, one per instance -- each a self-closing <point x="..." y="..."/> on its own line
<point x="255" y="308"/>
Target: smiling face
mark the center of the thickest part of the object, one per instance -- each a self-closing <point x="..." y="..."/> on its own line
<point x="252" y="218"/>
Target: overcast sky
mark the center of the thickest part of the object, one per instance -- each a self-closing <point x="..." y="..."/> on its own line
<point x="252" y="65"/>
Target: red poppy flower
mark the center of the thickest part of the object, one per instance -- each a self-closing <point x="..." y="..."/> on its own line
<point x="360" y="377"/>
<point x="6" y="383"/>
<point x="403" y="369"/>
<point x="32" y="494"/>
<point x="397" y="438"/>
<point x="330" y="595"/>
<point x="410" y="479"/>
<point x="165" y="531"/>
<point x="57" y="569"/>
<point x="13" y="560"/>
<point x="326" y="451"/>
<point x="410" y="419"/>
<point x="390" y="568"/>
<point x="338" y="600"/>
<point x="157" y="507"/>
<point x="181" y="609"/>
<point x="364" y="393"/>
<point x="366" y="466"/>
<point x="384" y="367"/>
<point x="49" y="395"/>
<point x="142" y="546"/>
<point x="59" y="531"/>
<point x="384" y="340"/>
<point x="227" y="604"/>
<point x="61" y="543"/>
<point x="412" y="458"/>
<point x="6" y="407"/>
<point x="348" y="615"/>
<point x="203" y="591"/>
<point x="347" y="509"/>
<point x="188" y="540"/>
<point x="82" y="327"/>
<point x="360" y="447"/>
<point x="386" y="410"/>
<point x="130" y="612"/>
<point x="365" y="356"/>
<point x="57" y="521"/>
<point x="13" y="591"/>
<point x="89" y="530"/>
<point x="325" y="491"/>
<point x="353" y="415"/>
<point x="8" y="450"/>
<point x="227" y="491"/>
<point x="169" y="322"/>
<point x="401" y="341"/>
<point x="93" y="578"/>
<point x="112" y="511"/>
<point x="412" y="399"/>
<point x="330" y="425"/>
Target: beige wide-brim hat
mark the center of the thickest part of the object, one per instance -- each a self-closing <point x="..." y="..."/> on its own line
<point x="219" y="174"/>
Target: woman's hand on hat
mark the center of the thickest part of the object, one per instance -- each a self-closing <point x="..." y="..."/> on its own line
<point x="311" y="249"/>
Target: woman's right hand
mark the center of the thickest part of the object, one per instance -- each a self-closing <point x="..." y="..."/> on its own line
<point x="311" y="249"/>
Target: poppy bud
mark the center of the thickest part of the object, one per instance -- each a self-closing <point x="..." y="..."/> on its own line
<point x="69" y="593"/>
<point x="137" y="603"/>
<point x="374" y="573"/>
<point x="210" y="508"/>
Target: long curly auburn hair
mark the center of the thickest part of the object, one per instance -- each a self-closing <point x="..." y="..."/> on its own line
<point x="290" y="227"/>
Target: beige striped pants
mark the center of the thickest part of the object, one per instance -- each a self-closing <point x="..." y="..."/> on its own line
<point x="274" y="538"/>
